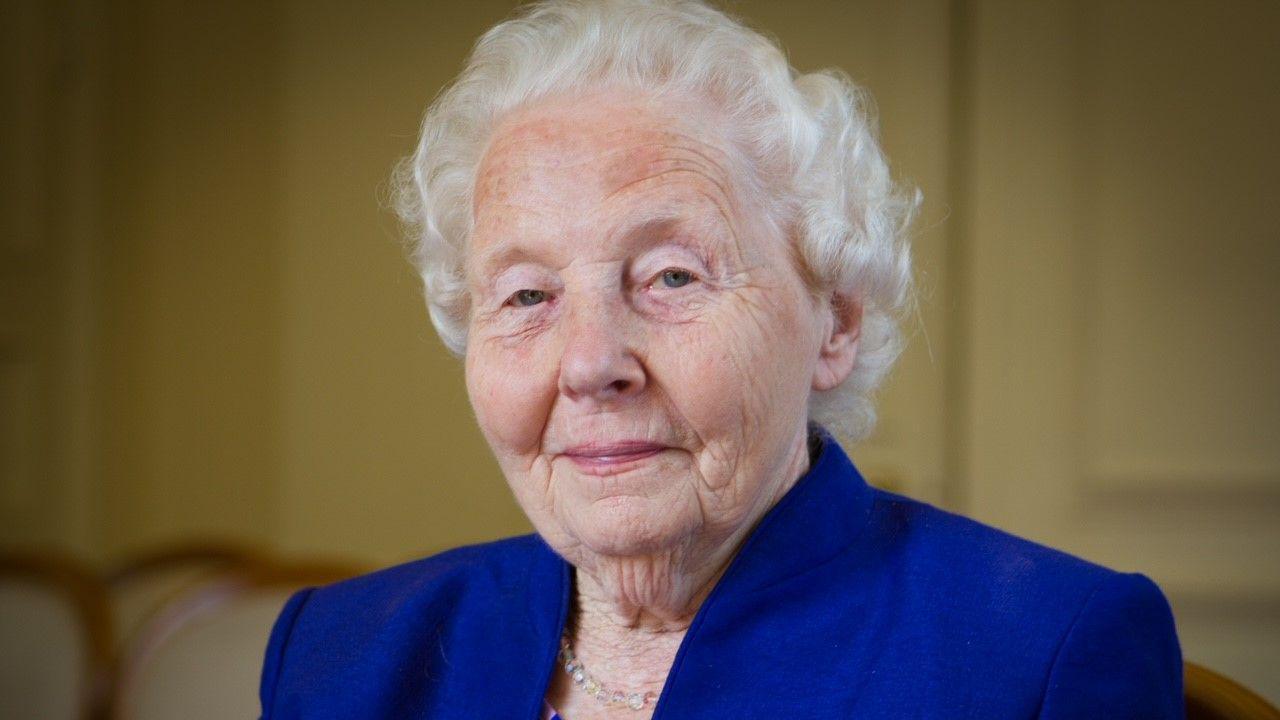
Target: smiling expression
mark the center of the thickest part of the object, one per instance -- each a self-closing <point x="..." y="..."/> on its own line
<point x="641" y="347"/>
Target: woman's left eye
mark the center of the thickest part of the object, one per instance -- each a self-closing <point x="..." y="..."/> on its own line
<point x="527" y="298"/>
<point x="675" y="277"/>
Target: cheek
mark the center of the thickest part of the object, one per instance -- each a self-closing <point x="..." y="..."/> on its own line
<point x="511" y="392"/>
<point x="742" y="370"/>
<point x="708" y="370"/>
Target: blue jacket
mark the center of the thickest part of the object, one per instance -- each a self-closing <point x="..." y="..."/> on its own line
<point x="845" y="601"/>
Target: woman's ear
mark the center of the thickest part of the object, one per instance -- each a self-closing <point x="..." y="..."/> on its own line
<point x="839" y="347"/>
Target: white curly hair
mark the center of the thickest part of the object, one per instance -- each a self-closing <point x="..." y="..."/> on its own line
<point x="811" y="138"/>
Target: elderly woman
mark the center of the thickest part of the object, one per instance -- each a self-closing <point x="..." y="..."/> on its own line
<point x="671" y="263"/>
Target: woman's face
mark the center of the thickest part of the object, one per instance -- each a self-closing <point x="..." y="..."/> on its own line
<point x="641" y="346"/>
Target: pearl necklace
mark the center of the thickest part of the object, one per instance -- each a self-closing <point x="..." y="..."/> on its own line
<point x="594" y="688"/>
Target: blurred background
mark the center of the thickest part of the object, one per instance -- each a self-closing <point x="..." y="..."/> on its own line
<point x="209" y="334"/>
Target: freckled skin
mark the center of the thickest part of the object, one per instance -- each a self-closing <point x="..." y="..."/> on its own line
<point x="587" y="201"/>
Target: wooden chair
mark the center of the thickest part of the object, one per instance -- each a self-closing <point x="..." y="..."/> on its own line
<point x="200" y="656"/>
<point x="1211" y="696"/>
<point x="141" y="584"/>
<point x="55" y="639"/>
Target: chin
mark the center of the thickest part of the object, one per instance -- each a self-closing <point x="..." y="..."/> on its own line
<point x="628" y="526"/>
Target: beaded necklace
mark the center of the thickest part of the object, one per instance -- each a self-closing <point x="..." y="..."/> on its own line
<point x="617" y="698"/>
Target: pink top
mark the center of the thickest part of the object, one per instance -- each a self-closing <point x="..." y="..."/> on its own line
<point x="548" y="712"/>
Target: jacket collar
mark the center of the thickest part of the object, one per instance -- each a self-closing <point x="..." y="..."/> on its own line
<point x="820" y="516"/>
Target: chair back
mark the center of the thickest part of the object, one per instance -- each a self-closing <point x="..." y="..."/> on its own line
<point x="138" y="587"/>
<point x="1212" y="696"/>
<point x="200" y="657"/>
<point x="54" y="639"/>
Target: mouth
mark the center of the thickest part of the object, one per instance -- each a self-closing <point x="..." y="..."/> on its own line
<point x="608" y="459"/>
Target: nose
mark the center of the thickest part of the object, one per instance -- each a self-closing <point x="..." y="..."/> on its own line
<point x="599" y="364"/>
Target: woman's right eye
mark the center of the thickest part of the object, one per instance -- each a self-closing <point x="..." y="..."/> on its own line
<point x="527" y="298"/>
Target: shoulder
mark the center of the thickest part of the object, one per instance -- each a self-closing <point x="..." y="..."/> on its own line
<point x="1095" y="640"/>
<point x="390" y="612"/>
<point x="957" y="552"/>
<point x="469" y="568"/>
<point x="471" y="573"/>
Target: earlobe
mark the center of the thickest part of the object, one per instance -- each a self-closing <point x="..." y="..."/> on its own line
<point x="839" y="349"/>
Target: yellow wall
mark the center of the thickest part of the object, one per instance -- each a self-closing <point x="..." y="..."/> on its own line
<point x="190" y="274"/>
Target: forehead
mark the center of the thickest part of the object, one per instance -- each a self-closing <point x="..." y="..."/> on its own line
<point x="602" y="149"/>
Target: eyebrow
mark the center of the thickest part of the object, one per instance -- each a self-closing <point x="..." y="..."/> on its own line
<point x="661" y="230"/>
<point x="646" y="229"/>
<point x="504" y="255"/>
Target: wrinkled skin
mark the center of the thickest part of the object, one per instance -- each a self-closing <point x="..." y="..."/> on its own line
<point x="586" y="202"/>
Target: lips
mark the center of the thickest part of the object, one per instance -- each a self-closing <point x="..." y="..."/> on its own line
<point x="602" y="458"/>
